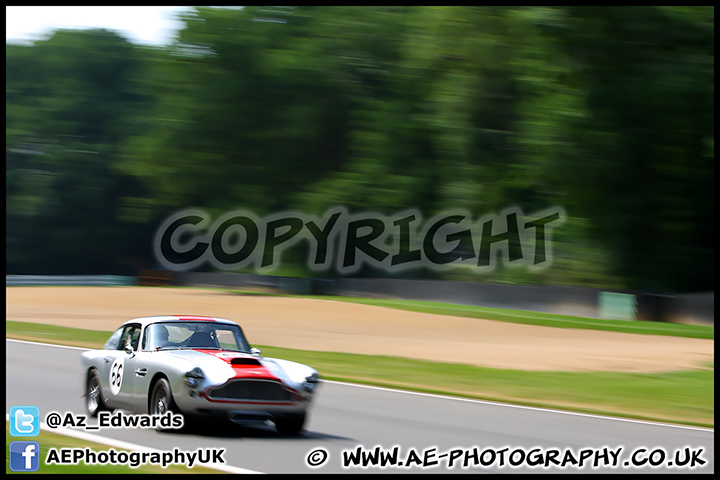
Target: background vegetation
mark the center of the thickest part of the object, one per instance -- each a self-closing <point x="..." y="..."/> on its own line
<point x="607" y="112"/>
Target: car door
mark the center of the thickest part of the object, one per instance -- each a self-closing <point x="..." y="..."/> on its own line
<point x="104" y="364"/>
<point x="117" y="366"/>
<point x="138" y="366"/>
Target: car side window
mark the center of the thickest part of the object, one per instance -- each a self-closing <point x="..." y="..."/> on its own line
<point x="145" y="339"/>
<point x="113" y="342"/>
<point x="130" y="336"/>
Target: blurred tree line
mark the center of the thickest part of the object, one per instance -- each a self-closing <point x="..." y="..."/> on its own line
<point x="605" y="111"/>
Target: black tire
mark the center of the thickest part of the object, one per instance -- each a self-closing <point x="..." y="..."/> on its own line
<point x="161" y="402"/>
<point x="94" y="403"/>
<point x="290" y="424"/>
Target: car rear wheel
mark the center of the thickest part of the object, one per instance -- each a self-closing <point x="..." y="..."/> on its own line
<point x="93" y="395"/>
<point x="290" y="424"/>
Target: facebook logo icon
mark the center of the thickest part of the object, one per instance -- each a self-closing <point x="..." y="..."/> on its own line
<point x="24" y="456"/>
<point x="24" y="421"/>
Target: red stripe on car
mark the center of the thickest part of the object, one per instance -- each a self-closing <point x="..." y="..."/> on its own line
<point x="241" y="371"/>
<point x="190" y="318"/>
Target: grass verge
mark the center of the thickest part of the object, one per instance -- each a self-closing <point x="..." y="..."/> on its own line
<point x="685" y="397"/>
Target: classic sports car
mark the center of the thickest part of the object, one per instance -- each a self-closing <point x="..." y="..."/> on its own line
<point x="199" y="367"/>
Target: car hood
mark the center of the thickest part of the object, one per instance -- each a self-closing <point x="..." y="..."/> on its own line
<point x="222" y="365"/>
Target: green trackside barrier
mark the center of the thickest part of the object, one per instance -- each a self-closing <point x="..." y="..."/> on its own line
<point x="617" y="306"/>
<point x="68" y="280"/>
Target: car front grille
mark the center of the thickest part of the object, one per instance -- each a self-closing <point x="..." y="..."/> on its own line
<point x="254" y="390"/>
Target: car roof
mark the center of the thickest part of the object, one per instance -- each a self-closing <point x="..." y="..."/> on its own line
<point x="177" y="318"/>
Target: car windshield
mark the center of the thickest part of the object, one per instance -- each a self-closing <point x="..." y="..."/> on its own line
<point x="183" y="335"/>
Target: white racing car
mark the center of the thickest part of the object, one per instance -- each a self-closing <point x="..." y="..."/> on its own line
<point x="199" y="367"/>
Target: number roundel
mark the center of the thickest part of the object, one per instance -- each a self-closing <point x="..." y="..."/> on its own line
<point x="116" y="375"/>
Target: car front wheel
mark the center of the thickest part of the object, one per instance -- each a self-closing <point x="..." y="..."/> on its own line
<point x="161" y="401"/>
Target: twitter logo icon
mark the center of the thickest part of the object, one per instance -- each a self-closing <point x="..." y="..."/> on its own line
<point x="24" y="421"/>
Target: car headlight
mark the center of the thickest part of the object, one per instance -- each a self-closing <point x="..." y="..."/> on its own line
<point x="194" y="377"/>
<point x="311" y="382"/>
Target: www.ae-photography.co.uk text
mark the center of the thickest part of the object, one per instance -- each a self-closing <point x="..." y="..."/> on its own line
<point x="190" y="239"/>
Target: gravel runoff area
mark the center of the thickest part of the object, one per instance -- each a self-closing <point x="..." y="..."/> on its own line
<point x="325" y="325"/>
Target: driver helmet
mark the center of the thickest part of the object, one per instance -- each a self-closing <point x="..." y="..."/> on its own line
<point x="160" y="333"/>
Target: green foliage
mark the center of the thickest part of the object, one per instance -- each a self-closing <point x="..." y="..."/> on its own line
<point x="606" y="112"/>
<point x="70" y="107"/>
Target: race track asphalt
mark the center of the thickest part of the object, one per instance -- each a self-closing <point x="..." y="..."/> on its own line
<point x="428" y="433"/>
